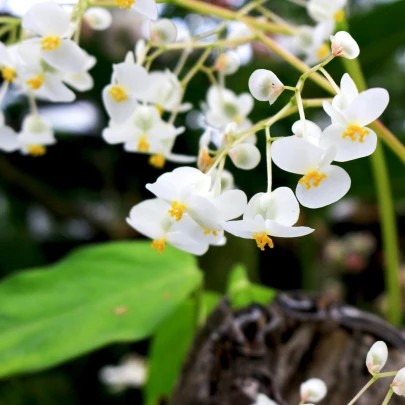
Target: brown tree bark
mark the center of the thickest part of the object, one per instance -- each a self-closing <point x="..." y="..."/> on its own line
<point x="273" y="350"/>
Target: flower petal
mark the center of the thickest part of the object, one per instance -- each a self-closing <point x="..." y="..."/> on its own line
<point x="147" y="8"/>
<point x="275" y="229"/>
<point x="203" y="212"/>
<point x="346" y="148"/>
<point x="331" y="189"/>
<point x="284" y="207"/>
<point x="242" y="229"/>
<point x="296" y="155"/>
<point x="8" y="140"/>
<point x="54" y="90"/>
<point x="334" y="114"/>
<point x="118" y="111"/>
<point x="230" y="204"/>
<point x="80" y="82"/>
<point x="133" y="78"/>
<point x="312" y="129"/>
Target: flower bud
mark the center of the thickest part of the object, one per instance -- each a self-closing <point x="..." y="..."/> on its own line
<point x="140" y="51"/>
<point x="204" y="160"/>
<point x="377" y="357"/>
<point x="264" y="400"/>
<point x="313" y="390"/>
<point x="98" y="18"/>
<point x="344" y="45"/>
<point x="227" y="63"/>
<point x="265" y="85"/>
<point x="245" y="156"/>
<point x="398" y="385"/>
<point x="163" y="32"/>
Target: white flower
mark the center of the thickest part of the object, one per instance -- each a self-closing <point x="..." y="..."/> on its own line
<point x="49" y="21"/>
<point x="44" y="85"/>
<point x="147" y="8"/>
<point x="228" y="63"/>
<point x="120" y="97"/>
<point x="82" y="81"/>
<point x="326" y="10"/>
<point x="348" y="132"/>
<point x="152" y="218"/>
<point x="163" y="32"/>
<point x="225" y="107"/>
<point x="265" y="85"/>
<point x="188" y="191"/>
<point x="377" y="357"/>
<point x="98" y="18"/>
<point x="36" y="134"/>
<point x="344" y="45"/>
<point x="269" y="214"/>
<point x="8" y="63"/>
<point x="398" y="385"/>
<point x="323" y="183"/>
<point x="313" y="390"/>
<point x="348" y="92"/>
<point x="245" y="156"/>
<point x="165" y="92"/>
<point x="264" y="400"/>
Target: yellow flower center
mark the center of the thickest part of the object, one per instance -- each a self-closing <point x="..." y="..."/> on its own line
<point x="125" y="3"/>
<point x="8" y="74"/>
<point x="160" y="109"/>
<point x="177" y="210"/>
<point x="315" y="177"/>
<point x="323" y="51"/>
<point x="157" y="161"/>
<point x="351" y="132"/>
<point x="118" y="94"/>
<point x="159" y="245"/>
<point x="208" y="231"/>
<point x="143" y="144"/>
<point x="339" y="16"/>
<point x="50" y="43"/>
<point x="263" y="240"/>
<point x="36" y="150"/>
<point x="36" y="82"/>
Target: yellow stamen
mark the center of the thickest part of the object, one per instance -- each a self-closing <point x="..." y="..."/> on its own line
<point x="36" y="82"/>
<point x="315" y="177"/>
<point x="124" y="3"/>
<point x="36" y="150"/>
<point x="323" y="51"/>
<point x="208" y="231"/>
<point x="159" y="245"/>
<point x="143" y="144"/>
<point x="204" y="160"/>
<point x="177" y="210"/>
<point x="263" y="240"/>
<point x="157" y="161"/>
<point x="118" y="94"/>
<point x="8" y="74"/>
<point x="339" y="16"/>
<point x="160" y="109"/>
<point x="50" y="43"/>
<point x="351" y="132"/>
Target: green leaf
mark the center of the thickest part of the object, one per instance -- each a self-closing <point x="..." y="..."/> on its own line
<point x="242" y="292"/>
<point x="170" y="345"/>
<point x="98" y="295"/>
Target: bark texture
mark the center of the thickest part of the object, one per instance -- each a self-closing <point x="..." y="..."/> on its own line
<point x="272" y="350"/>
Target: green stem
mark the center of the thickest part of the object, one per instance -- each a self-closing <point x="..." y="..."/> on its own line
<point x="388" y="396"/>
<point x="363" y="390"/>
<point x="268" y="159"/>
<point x="387" y="374"/>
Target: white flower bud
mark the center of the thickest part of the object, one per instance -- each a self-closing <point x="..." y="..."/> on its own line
<point x="344" y="45"/>
<point x="245" y="156"/>
<point x="264" y="400"/>
<point x="228" y="63"/>
<point x="265" y="85"/>
<point x="377" y="357"/>
<point x="163" y="32"/>
<point x="140" y="51"/>
<point x="313" y="390"/>
<point x="98" y="18"/>
<point x="398" y="385"/>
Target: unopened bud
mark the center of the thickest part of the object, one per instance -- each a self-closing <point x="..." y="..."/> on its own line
<point x="245" y="156"/>
<point x="265" y="85"/>
<point x="377" y="357"/>
<point x="344" y="45"/>
<point x="398" y="385"/>
<point x="313" y="390"/>
<point x="227" y="63"/>
<point x="98" y="18"/>
<point x="163" y="32"/>
<point x="204" y="160"/>
<point x="140" y="51"/>
<point x="264" y="400"/>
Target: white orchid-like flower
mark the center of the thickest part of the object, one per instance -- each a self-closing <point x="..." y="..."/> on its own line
<point x="188" y="191"/>
<point x="36" y="134"/>
<point x="344" y="45"/>
<point x="322" y="183"/>
<point x="147" y="8"/>
<point x="265" y="85"/>
<point x="313" y="390"/>
<point x="377" y="356"/>
<point x="82" y="81"/>
<point x="349" y="133"/>
<point x="326" y="10"/>
<point x="120" y="97"/>
<point x="269" y="214"/>
<point x="51" y="23"/>
<point x="98" y="18"/>
<point x="225" y="107"/>
<point x="163" y="32"/>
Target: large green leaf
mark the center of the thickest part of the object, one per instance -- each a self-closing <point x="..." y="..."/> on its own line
<point x="98" y="295"/>
<point x="242" y="292"/>
<point x="170" y="345"/>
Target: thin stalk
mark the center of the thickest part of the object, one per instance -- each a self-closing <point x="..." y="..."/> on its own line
<point x="268" y="159"/>
<point x="181" y="62"/>
<point x="362" y="391"/>
<point x="330" y="79"/>
<point x="387" y="374"/>
<point x="196" y="67"/>
<point x="301" y="111"/>
<point x="388" y="396"/>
